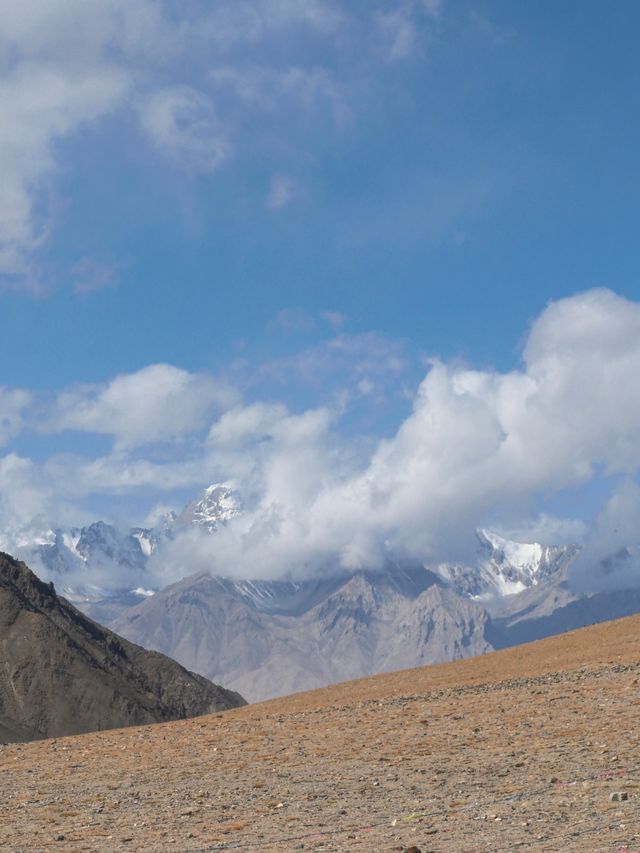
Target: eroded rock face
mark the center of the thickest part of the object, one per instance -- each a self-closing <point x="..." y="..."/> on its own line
<point x="61" y="673"/>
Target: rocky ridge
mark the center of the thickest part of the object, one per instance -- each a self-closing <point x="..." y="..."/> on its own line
<point x="61" y="673"/>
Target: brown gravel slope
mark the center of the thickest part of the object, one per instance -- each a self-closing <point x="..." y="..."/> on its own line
<point x="517" y="750"/>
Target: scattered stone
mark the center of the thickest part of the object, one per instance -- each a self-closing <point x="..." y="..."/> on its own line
<point x="618" y="796"/>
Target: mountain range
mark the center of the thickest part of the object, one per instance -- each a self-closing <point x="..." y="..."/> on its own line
<point x="269" y="638"/>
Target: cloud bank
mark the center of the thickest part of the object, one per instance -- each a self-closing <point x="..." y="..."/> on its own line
<point x="476" y="446"/>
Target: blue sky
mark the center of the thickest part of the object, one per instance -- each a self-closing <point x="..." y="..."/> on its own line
<point x="303" y="202"/>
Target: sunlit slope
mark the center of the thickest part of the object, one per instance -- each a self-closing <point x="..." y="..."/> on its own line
<point x="534" y="747"/>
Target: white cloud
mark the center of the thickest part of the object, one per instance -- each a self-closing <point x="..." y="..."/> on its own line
<point x="477" y="444"/>
<point x="432" y="7"/>
<point x="91" y="276"/>
<point x="234" y="21"/>
<point x="292" y="320"/>
<point x="400" y="26"/>
<point x="13" y="402"/>
<point x="182" y="123"/>
<point x="266" y="88"/>
<point x="398" y="31"/>
<point x="65" y="63"/>
<point x="350" y="357"/>
<point x="23" y="494"/>
<point x="158" y="403"/>
<point x="546" y="528"/>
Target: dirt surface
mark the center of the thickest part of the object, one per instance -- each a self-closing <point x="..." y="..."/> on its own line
<point x="521" y="749"/>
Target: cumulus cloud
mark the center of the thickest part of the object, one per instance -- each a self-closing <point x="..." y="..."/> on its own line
<point x="22" y="493"/>
<point x="477" y="444"/>
<point x="158" y="403"/>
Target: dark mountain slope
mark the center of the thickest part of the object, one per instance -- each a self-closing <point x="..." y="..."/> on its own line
<point x="61" y="673"/>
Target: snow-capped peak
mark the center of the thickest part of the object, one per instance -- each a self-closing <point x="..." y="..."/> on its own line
<point x="521" y="555"/>
<point x="216" y="505"/>
<point x="504" y="567"/>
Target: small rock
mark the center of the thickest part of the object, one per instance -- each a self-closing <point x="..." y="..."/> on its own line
<point x="618" y="796"/>
<point x="413" y="849"/>
<point x="59" y="838"/>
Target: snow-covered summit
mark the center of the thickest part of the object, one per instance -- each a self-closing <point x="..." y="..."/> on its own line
<point x="215" y="505"/>
<point x="504" y="567"/>
<point x="102" y="557"/>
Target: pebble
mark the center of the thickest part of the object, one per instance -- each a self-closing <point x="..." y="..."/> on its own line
<point x="618" y="796"/>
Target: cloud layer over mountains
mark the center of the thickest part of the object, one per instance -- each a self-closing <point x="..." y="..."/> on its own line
<point x="478" y="447"/>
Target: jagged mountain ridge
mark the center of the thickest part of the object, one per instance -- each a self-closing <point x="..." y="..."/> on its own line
<point x="99" y="563"/>
<point x="64" y="674"/>
<point x="100" y="567"/>
<point x="268" y="639"/>
<point x="349" y="627"/>
<point x="505" y="568"/>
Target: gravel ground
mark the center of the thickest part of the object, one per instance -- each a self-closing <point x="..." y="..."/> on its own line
<point x="531" y="748"/>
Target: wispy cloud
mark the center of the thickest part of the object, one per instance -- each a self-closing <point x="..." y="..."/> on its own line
<point x="281" y="192"/>
<point x="68" y="65"/>
<point x="182" y="123"/>
<point x="207" y="87"/>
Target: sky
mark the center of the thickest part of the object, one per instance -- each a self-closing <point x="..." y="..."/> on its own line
<point x="375" y="262"/>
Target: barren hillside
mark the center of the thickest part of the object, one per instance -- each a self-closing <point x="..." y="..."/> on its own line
<point x="61" y="673"/>
<point x="531" y="748"/>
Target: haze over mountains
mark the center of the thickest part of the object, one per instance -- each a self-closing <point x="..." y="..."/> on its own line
<point x="271" y="637"/>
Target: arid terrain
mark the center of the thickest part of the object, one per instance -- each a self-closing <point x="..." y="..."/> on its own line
<point x="535" y="747"/>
